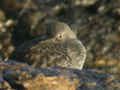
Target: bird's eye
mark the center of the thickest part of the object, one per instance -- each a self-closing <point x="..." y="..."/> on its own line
<point x="60" y="36"/>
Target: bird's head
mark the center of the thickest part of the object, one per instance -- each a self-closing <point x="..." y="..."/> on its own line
<point x="60" y="31"/>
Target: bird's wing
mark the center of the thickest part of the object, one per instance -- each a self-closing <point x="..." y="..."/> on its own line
<point x="77" y="53"/>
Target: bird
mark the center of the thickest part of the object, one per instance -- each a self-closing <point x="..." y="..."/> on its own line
<point x="60" y="48"/>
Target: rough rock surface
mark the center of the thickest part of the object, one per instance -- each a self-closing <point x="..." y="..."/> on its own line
<point x="19" y="76"/>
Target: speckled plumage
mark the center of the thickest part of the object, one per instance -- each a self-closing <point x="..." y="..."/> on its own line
<point x="62" y="48"/>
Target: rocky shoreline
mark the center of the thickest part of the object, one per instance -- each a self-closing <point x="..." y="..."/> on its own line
<point x="97" y="25"/>
<point x="19" y="76"/>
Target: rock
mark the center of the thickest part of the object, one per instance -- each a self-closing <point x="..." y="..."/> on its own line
<point x="6" y="46"/>
<point x="4" y="85"/>
<point x="22" y="76"/>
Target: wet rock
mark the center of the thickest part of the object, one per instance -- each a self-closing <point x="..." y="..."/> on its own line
<point x="75" y="3"/>
<point x="22" y="76"/>
<point x="6" y="46"/>
<point x="2" y="15"/>
<point x="15" y="5"/>
<point x="4" y="85"/>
